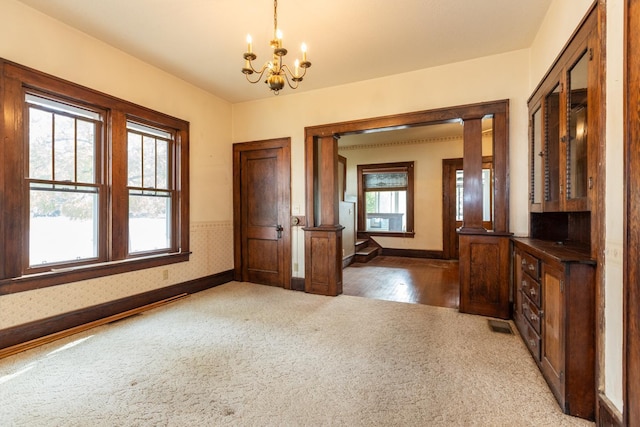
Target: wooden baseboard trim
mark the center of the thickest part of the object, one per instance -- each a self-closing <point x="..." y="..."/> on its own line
<point x="29" y="335"/>
<point x="297" y="283"/>
<point x="607" y="414"/>
<point x="412" y="253"/>
<point x="348" y="260"/>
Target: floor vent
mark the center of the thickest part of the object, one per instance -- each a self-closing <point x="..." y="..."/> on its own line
<point x="500" y="326"/>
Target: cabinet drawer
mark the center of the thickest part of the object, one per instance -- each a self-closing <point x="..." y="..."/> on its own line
<point x="532" y="340"/>
<point x="531" y="289"/>
<point x="531" y="313"/>
<point x="531" y="265"/>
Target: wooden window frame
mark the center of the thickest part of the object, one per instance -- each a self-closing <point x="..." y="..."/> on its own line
<point x="15" y="82"/>
<point x="390" y="168"/>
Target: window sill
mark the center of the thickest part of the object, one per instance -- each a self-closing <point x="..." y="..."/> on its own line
<point x="86" y="272"/>
<point x="409" y="234"/>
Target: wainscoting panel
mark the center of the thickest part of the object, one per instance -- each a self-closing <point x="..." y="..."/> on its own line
<point x="212" y="252"/>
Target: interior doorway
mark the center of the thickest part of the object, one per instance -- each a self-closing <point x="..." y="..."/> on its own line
<point x="321" y="164"/>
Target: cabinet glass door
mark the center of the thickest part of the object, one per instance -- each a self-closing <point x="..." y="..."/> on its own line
<point x="552" y="187"/>
<point x="577" y="173"/>
<point x="536" y="160"/>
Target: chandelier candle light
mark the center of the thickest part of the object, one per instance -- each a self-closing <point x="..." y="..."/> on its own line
<point x="276" y="72"/>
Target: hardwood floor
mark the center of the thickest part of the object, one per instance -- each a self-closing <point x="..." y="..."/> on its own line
<point x="414" y="280"/>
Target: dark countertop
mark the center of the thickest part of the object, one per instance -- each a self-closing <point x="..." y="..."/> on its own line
<point x="558" y="251"/>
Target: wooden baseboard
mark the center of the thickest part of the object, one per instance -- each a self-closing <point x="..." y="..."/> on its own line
<point x="348" y="260"/>
<point x="29" y="335"/>
<point x="607" y="414"/>
<point x="412" y="253"/>
<point x="297" y="283"/>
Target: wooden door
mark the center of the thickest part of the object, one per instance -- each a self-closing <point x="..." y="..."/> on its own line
<point x="262" y="175"/>
<point x="450" y="222"/>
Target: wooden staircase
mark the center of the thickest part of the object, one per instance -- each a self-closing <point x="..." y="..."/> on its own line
<point x="365" y="251"/>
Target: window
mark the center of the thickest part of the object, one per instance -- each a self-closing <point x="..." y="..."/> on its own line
<point x="94" y="185"/>
<point x="63" y="182"/>
<point x="149" y="185"/>
<point x="385" y="198"/>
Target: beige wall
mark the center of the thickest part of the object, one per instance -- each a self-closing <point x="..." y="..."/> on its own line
<point x="490" y="78"/>
<point x="614" y="202"/>
<point x="30" y="38"/>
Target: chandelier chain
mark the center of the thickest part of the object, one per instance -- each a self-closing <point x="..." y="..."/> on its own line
<point x="275" y="17"/>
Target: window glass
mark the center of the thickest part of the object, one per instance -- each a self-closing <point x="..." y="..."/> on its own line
<point x="459" y="194"/>
<point x="40" y="144"/>
<point x="386" y="210"/>
<point x="385" y="180"/>
<point x="149" y="221"/>
<point x="487" y="188"/>
<point x="387" y="197"/>
<point x="63" y="224"/>
<point x="63" y="195"/>
<point x="150" y="195"/>
<point x="577" y="147"/>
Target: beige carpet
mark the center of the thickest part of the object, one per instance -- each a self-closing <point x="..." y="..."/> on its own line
<point x="244" y="354"/>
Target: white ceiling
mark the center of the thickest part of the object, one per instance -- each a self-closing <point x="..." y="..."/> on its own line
<point x="202" y="41"/>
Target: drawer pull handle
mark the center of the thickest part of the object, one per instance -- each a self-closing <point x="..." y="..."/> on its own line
<point x="523" y="262"/>
<point x="531" y="267"/>
<point x="533" y="317"/>
<point x="532" y="342"/>
<point x="533" y="292"/>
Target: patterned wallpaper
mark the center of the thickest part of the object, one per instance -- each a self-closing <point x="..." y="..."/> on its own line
<point x="212" y="252"/>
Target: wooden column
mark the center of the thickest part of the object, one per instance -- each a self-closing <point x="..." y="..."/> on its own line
<point x="472" y="182"/>
<point x="484" y="274"/>
<point x="484" y="256"/>
<point x="323" y="238"/>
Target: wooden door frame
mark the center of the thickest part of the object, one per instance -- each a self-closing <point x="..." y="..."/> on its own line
<point x="321" y="167"/>
<point x="631" y="282"/>
<point x="238" y="148"/>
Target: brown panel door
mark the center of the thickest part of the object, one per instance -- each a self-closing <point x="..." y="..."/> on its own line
<point x="450" y="242"/>
<point x="263" y="180"/>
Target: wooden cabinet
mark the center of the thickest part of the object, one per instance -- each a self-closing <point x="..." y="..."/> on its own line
<point x="554" y="310"/>
<point x="554" y="270"/>
<point x="564" y="111"/>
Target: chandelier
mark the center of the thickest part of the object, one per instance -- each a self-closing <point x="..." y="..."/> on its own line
<point x="275" y="71"/>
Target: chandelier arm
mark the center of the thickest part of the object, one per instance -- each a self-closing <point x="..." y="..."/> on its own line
<point x="286" y="73"/>
<point x="292" y="75"/>
<point x="259" y="73"/>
